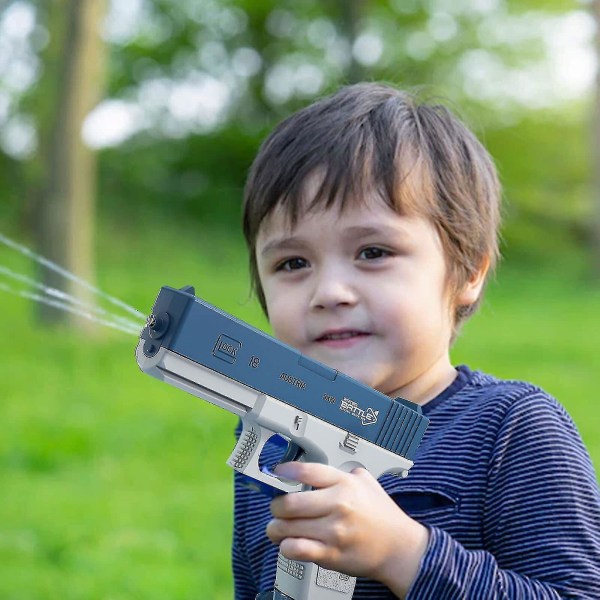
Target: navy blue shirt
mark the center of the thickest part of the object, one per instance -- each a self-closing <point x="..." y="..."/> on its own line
<point x="505" y="486"/>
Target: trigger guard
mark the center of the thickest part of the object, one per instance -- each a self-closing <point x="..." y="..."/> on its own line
<point x="293" y="452"/>
<point x="266" y="489"/>
<point x="245" y="459"/>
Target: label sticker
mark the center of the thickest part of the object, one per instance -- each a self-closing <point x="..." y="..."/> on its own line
<point x="367" y="417"/>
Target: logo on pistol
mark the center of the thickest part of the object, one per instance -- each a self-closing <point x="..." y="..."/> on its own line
<point x="227" y="348"/>
<point x="367" y="417"/>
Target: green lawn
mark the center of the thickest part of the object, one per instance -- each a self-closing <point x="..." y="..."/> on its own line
<point x="114" y="486"/>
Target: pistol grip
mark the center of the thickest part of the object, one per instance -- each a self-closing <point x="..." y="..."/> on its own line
<point x="297" y="580"/>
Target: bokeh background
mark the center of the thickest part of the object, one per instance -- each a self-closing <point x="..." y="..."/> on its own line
<point x="126" y="131"/>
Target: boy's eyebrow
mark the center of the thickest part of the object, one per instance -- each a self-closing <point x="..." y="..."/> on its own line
<point x="359" y="231"/>
<point x="282" y="244"/>
<point x="354" y="232"/>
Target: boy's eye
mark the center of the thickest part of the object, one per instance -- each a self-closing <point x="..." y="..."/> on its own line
<point x="292" y="264"/>
<point x="372" y="252"/>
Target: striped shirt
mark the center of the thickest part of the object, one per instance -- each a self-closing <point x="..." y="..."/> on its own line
<point x="505" y="486"/>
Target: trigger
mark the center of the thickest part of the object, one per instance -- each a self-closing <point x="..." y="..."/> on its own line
<point x="293" y="452"/>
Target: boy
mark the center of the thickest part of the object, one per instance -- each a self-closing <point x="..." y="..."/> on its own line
<point x="371" y="222"/>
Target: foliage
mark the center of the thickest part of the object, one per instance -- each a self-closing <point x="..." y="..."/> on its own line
<point x="268" y="58"/>
<point x="545" y="170"/>
<point x="201" y="177"/>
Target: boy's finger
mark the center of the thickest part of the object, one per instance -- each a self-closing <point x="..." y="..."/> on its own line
<point x="279" y="529"/>
<point x="303" y="549"/>
<point x="317" y="530"/>
<point x="307" y="505"/>
<point x="314" y="474"/>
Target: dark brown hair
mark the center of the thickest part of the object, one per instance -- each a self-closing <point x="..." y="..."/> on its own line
<point x="375" y="139"/>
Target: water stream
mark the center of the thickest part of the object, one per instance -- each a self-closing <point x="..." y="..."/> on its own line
<point x="65" y="301"/>
<point x="69" y="308"/>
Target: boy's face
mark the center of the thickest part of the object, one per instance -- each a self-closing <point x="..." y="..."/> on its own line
<point x="364" y="292"/>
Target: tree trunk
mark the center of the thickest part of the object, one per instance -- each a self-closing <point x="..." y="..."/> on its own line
<point x="64" y="219"/>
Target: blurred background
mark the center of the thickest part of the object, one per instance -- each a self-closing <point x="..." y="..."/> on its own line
<point x="126" y="131"/>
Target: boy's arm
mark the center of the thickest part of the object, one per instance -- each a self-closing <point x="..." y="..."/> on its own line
<point x="542" y="517"/>
<point x="541" y="522"/>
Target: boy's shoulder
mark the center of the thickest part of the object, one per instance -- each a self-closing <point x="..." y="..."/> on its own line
<point x="485" y="426"/>
<point x="490" y="398"/>
<point x="491" y="422"/>
<point x="507" y="391"/>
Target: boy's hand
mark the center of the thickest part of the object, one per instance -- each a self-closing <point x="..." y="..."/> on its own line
<point x="347" y="524"/>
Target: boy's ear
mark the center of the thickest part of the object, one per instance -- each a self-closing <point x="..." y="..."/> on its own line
<point x="471" y="290"/>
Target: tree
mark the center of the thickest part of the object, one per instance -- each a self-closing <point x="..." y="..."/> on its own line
<point x="64" y="212"/>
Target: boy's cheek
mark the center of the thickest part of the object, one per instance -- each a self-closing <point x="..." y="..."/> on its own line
<point x="284" y="322"/>
<point x="285" y="334"/>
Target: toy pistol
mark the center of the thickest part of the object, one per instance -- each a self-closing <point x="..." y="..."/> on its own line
<point x="325" y="416"/>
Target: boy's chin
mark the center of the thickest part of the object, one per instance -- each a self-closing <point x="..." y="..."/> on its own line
<point x="364" y="376"/>
<point x="358" y="372"/>
<point x="358" y="369"/>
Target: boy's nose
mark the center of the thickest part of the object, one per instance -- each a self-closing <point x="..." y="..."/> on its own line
<point x="332" y="290"/>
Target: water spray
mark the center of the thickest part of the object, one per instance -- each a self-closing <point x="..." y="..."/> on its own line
<point x="65" y="301"/>
<point x="70" y="276"/>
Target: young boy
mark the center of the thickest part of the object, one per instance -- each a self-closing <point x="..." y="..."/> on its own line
<point x="371" y="221"/>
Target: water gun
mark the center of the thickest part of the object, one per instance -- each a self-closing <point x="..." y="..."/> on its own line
<point x="323" y="415"/>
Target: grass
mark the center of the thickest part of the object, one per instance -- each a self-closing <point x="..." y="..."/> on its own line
<point x="114" y="487"/>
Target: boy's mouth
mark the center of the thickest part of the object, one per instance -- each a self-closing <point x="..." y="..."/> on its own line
<point x="340" y="335"/>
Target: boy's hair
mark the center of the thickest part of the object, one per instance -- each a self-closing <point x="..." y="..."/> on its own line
<point x="375" y="139"/>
